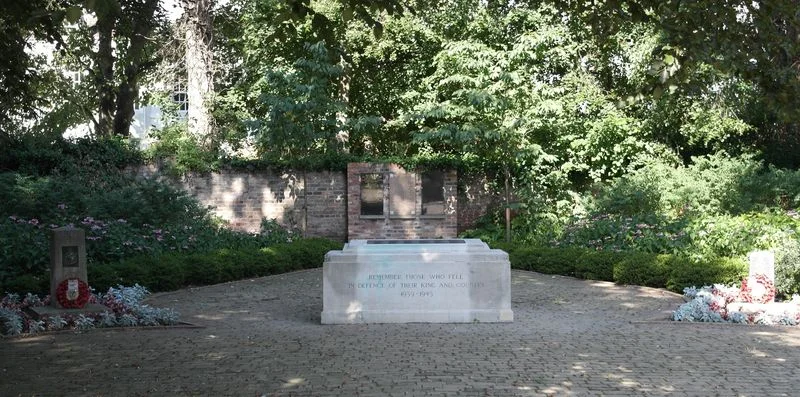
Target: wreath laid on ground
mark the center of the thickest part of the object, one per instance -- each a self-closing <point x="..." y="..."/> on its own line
<point x="72" y="293"/>
<point x="757" y="289"/>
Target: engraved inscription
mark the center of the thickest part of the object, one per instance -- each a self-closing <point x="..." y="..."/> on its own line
<point x="415" y="284"/>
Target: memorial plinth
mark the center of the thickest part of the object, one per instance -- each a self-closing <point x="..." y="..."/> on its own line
<point x="416" y="281"/>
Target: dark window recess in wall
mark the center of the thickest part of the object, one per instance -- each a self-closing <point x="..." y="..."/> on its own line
<point x="372" y="194"/>
<point x="433" y="193"/>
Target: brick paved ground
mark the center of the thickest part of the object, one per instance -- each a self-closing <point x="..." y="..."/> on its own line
<point x="263" y="337"/>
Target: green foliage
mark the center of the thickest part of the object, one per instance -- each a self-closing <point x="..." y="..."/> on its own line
<point x="546" y="260"/>
<point x="787" y="267"/>
<point x="639" y="268"/>
<point x="687" y="272"/>
<point x="272" y="233"/>
<point x="623" y="233"/>
<point x="122" y="215"/>
<point x="712" y="184"/>
<point x="751" y="41"/>
<point x="63" y="199"/>
<point x="298" y="114"/>
<point x="24" y="254"/>
<point x="171" y="271"/>
<point x="179" y="151"/>
<point x="21" y="71"/>
<point x="740" y="234"/>
<point x="44" y="155"/>
<point x="597" y="265"/>
<point x="674" y="272"/>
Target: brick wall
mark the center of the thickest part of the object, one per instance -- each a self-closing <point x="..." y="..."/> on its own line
<point x="390" y="225"/>
<point x="315" y="203"/>
<point x="475" y="198"/>
<point x="326" y="205"/>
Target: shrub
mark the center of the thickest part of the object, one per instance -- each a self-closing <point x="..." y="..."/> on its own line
<point x="674" y="272"/>
<point x="787" y="268"/>
<point x="687" y="272"/>
<point x="639" y="268"/>
<point x="712" y="184"/>
<point x="623" y="233"/>
<point x="44" y="155"/>
<point x="726" y="235"/>
<point x="171" y="271"/>
<point x="597" y="265"/>
<point x="546" y="260"/>
<point x="123" y="307"/>
<point x="24" y="244"/>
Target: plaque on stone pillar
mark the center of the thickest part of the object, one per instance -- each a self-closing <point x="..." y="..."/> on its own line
<point x="759" y="287"/>
<point x="69" y="288"/>
<point x="762" y="262"/>
<point x="402" y="196"/>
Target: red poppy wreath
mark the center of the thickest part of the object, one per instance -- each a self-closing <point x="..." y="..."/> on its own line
<point x="757" y="289"/>
<point x="72" y="293"/>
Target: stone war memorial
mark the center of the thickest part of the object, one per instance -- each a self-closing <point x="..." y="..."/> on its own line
<point x="69" y="287"/>
<point x="403" y="263"/>
<point x="408" y="281"/>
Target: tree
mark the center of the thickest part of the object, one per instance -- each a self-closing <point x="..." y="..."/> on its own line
<point x="299" y="107"/>
<point x="197" y="22"/>
<point x="750" y="42"/>
<point x="22" y="22"/>
<point x="272" y="35"/>
<point x="116" y="49"/>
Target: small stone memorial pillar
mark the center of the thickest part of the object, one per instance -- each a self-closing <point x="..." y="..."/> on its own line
<point x="68" y="278"/>
<point x="762" y="264"/>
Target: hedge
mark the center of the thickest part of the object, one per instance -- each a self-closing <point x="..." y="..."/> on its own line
<point x="172" y="271"/>
<point x="673" y="272"/>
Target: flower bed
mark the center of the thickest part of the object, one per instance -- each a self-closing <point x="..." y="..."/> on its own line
<point x="719" y="303"/>
<point x="124" y="309"/>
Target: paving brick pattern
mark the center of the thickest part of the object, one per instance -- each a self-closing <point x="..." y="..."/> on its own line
<point x="263" y="338"/>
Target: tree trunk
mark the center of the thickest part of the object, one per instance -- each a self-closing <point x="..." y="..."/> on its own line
<point x="129" y="87"/>
<point x="126" y="98"/>
<point x="199" y="69"/>
<point x="104" y="77"/>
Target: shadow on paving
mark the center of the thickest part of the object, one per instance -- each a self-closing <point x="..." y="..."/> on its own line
<point x="264" y="337"/>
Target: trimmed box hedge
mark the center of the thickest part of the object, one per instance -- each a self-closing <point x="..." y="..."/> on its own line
<point x="173" y="271"/>
<point x="673" y="272"/>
